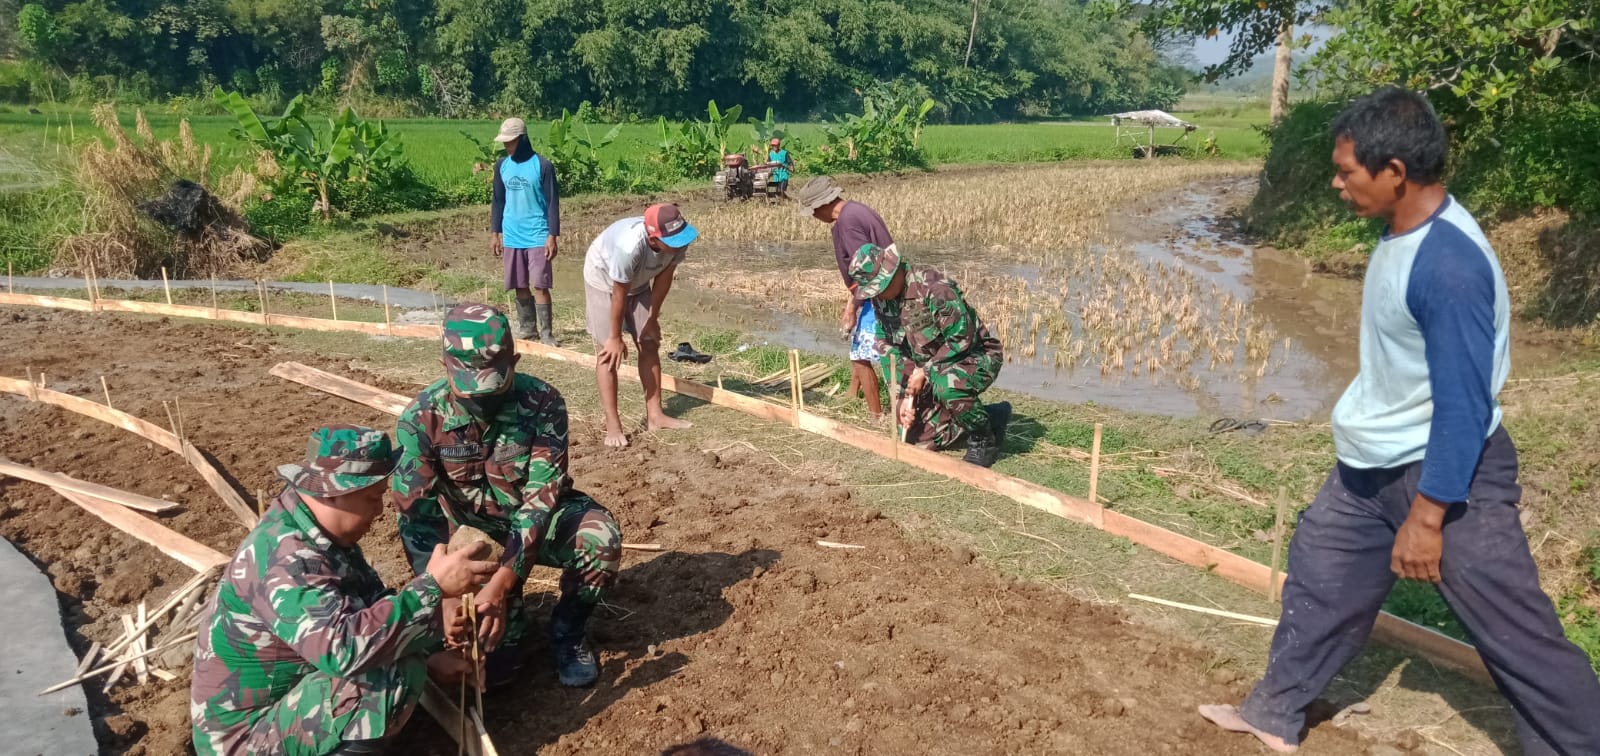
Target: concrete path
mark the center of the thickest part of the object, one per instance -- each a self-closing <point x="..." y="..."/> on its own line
<point x="33" y="656"/>
<point x="409" y="299"/>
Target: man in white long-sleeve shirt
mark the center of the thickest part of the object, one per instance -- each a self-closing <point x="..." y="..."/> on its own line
<point x="1426" y="483"/>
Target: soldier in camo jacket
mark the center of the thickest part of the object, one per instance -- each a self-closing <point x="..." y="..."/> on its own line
<point x="486" y="446"/>
<point x="302" y="650"/>
<point x="945" y="355"/>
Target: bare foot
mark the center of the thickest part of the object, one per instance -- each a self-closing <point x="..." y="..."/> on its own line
<point x="615" y="438"/>
<point x="662" y="422"/>
<point x="1228" y="718"/>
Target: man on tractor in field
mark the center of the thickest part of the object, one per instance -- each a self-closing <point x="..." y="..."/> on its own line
<point x="946" y="356"/>
<point x="303" y="650"/>
<point x="486" y="446"/>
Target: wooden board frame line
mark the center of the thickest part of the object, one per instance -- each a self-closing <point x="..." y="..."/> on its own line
<point x="145" y="429"/>
<point x="1437" y="647"/>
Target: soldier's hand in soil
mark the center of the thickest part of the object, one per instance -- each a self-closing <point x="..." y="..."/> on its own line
<point x="613" y="352"/>
<point x="460" y="572"/>
<point x="1420" y="541"/>
<point x="491" y="605"/>
<point x="449" y="668"/>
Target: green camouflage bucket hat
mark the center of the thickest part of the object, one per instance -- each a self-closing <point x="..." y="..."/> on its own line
<point x="341" y="459"/>
<point x="872" y="268"/>
<point x="478" y="349"/>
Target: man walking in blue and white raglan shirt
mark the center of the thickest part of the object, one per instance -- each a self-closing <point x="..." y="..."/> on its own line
<point x="1426" y="483"/>
<point x="525" y="227"/>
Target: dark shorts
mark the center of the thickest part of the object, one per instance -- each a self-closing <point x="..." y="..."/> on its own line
<point x="527" y="268"/>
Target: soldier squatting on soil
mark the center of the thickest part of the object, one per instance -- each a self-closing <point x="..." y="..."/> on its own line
<point x="302" y="650"/>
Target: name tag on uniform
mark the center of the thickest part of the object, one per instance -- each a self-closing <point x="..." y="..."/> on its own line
<point x="461" y="451"/>
<point x="508" y="452"/>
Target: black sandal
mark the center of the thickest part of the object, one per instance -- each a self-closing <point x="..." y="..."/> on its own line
<point x="686" y="353"/>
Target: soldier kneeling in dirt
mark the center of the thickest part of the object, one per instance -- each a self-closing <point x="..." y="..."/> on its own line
<point x="486" y="447"/>
<point x="945" y="353"/>
<point x="302" y="650"/>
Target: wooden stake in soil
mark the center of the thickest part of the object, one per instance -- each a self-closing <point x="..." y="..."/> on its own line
<point x="794" y="384"/>
<point x="88" y="285"/>
<point x="895" y="434"/>
<point x="11" y="282"/>
<point x="214" y="308"/>
<point x="388" y="326"/>
<point x="184" y="638"/>
<point x="107" y="389"/>
<point x="261" y="502"/>
<point x="1207" y="610"/>
<point x="1094" y="466"/>
<point x="1273" y="590"/>
<point x="261" y="293"/>
<point x="165" y="285"/>
<point x="333" y="300"/>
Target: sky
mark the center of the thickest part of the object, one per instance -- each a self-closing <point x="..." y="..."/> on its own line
<point x="1210" y="51"/>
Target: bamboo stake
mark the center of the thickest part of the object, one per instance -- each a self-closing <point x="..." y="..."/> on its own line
<point x="333" y="300"/>
<point x="835" y="545"/>
<point x="643" y="547"/>
<point x="1094" y="466"/>
<point x="98" y="671"/>
<point x="33" y="388"/>
<point x="1207" y="610"/>
<point x="214" y="308"/>
<point x="261" y="502"/>
<point x="88" y="285"/>
<point x="171" y="421"/>
<point x="1273" y="591"/>
<point x="140" y="667"/>
<point x="388" y="326"/>
<point x="88" y="658"/>
<point x="794" y="384"/>
<point x="165" y="285"/>
<point x="107" y="389"/>
<point x="261" y="293"/>
<point x="11" y="282"/>
<point x="177" y="406"/>
<point x="461" y="703"/>
<point x="896" y="435"/>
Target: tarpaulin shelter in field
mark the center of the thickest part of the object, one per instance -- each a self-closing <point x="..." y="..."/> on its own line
<point x="1138" y="127"/>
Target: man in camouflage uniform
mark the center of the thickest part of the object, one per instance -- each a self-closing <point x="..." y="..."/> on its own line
<point x="487" y="447"/>
<point x="302" y="650"/>
<point x="945" y="355"/>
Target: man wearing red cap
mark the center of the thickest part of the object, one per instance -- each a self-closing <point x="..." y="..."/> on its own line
<point x="627" y="273"/>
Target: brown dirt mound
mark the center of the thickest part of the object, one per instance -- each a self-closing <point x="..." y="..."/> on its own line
<point x="747" y="631"/>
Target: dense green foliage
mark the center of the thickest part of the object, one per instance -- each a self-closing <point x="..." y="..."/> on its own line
<point x="1514" y="81"/>
<point x="632" y="58"/>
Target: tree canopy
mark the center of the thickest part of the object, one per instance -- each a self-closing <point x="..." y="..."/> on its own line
<point x="628" y="57"/>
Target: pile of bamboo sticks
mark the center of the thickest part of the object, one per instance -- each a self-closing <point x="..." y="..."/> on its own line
<point x="135" y="649"/>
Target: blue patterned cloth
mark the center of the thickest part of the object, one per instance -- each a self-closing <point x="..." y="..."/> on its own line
<point x="864" y="343"/>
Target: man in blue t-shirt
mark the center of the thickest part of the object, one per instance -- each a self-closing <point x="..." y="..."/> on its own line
<point x="1426" y="482"/>
<point x="525" y="226"/>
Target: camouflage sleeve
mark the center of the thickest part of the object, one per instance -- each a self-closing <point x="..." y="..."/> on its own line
<point x="901" y="351"/>
<point x="543" y="481"/>
<point x="956" y="331"/>
<point x="411" y="489"/>
<point x="301" y="601"/>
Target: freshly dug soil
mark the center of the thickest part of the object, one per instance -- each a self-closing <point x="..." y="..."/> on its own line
<point x="745" y="631"/>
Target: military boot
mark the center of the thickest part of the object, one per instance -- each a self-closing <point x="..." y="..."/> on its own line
<point x="527" y="319"/>
<point x="547" y="326"/>
<point x="576" y="664"/>
<point x="983" y="442"/>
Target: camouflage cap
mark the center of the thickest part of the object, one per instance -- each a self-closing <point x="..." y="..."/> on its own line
<point x="341" y="459"/>
<point x="478" y="349"/>
<point x="872" y="268"/>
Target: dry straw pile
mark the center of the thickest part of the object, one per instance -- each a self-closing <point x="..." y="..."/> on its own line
<point x="118" y="239"/>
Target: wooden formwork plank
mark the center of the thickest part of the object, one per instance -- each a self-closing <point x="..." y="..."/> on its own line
<point x="58" y="481"/>
<point x="197" y="556"/>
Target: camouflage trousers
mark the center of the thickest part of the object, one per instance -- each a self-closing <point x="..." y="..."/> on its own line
<point x="584" y="542"/>
<point x="322" y="711"/>
<point x="947" y="407"/>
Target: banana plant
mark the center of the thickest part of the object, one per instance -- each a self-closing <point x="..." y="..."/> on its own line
<point x="347" y="150"/>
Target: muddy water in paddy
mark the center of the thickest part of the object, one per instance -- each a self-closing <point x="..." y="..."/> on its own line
<point x="1183" y="231"/>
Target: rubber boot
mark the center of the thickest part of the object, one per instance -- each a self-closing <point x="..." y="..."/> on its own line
<point x="983" y="442"/>
<point x="527" y="319"/>
<point x="576" y="664"/>
<point x="547" y="325"/>
<point x="361" y="748"/>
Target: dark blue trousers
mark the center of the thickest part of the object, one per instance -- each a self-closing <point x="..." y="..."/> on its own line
<point x="1338" y="577"/>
